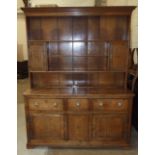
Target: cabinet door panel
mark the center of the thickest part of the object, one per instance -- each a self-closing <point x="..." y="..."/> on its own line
<point x="78" y="127"/>
<point x="108" y="127"/>
<point x="37" y="57"/>
<point x="118" y="55"/>
<point x="47" y="126"/>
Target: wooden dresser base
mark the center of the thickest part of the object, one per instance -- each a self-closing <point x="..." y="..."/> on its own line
<point x="91" y="121"/>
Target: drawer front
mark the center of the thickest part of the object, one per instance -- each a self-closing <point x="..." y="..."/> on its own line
<point x="78" y="104"/>
<point x="46" y="104"/>
<point x="110" y="104"/>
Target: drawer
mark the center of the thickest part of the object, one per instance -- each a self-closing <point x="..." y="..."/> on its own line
<point x="46" y="104"/>
<point x="78" y="104"/>
<point x="110" y="104"/>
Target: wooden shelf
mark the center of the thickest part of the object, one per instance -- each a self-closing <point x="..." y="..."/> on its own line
<point x="87" y="41"/>
<point x="85" y="92"/>
<point x="77" y="71"/>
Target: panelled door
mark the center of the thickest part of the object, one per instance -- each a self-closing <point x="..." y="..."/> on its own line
<point x="108" y="127"/>
<point x="46" y="126"/>
<point x="78" y="127"/>
<point x="118" y="55"/>
<point x="37" y="56"/>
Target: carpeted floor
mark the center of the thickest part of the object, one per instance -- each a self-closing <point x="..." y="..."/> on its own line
<point x="21" y="136"/>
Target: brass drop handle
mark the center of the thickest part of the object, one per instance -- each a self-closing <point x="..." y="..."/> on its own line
<point x="36" y="104"/>
<point x="55" y="104"/>
<point x="119" y="104"/>
<point x="77" y="104"/>
<point x="101" y="104"/>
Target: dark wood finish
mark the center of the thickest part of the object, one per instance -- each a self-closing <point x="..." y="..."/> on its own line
<point x="79" y="11"/>
<point x="78" y="127"/>
<point x="37" y="56"/>
<point x="109" y="127"/>
<point x="47" y="126"/>
<point x="118" y="55"/>
<point x="78" y="104"/>
<point x="116" y="105"/>
<point x="46" y="104"/>
<point x="78" y="61"/>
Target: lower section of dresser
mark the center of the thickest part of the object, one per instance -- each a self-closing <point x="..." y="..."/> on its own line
<point x="78" y="122"/>
<point x="79" y="144"/>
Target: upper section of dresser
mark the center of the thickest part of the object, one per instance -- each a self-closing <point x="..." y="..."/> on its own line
<point x="82" y="47"/>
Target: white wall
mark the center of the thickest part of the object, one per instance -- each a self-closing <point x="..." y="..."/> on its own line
<point x="65" y="2"/>
<point x="21" y="33"/>
<point x="21" y="28"/>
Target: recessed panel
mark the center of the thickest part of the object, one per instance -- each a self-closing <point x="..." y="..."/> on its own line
<point x="37" y="53"/>
<point x="78" y="127"/>
<point x="118" y="55"/>
<point x="108" y="127"/>
<point x="47" y="126"/>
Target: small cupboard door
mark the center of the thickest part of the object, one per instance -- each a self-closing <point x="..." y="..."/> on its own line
<point x="37" y="56"/>
<point x="78" y="127"/>
<point x="108" y="127"/>
<point x="118" y="53"/>
<point x="47" y="126"/>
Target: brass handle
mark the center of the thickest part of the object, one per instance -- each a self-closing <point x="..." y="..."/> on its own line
<point x="77" y="104"/>
<point x="36" y="104"/>
<point x="55" y="104"/>
<point x="101" y="104"/>
<point x="119" y="104"/>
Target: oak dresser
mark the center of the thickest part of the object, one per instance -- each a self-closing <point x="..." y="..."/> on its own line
<point x="78" y="67"/>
